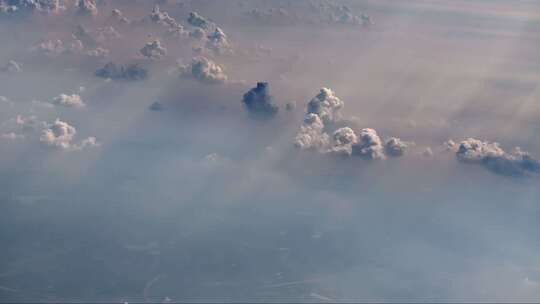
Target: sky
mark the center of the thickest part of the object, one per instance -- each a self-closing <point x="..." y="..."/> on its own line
<point x="269" y="151"/>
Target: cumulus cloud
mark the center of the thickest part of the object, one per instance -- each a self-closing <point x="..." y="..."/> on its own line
<point x="369" y="145"/>
<point x="73" y="100"/>
<point x="327" y="105"/>
<point x="311" y="135"/>
<point x="344" y="139"/>
<point x="259" y="102"/>
<point x="60" y="135"/>
<point x="57" y="47"/>
<point x="218" y="42"/>
<point x="495" y="159"/>
<point x="324" y="114"/>
<point x="204" y="70"/>
<point x="162" y="18"/>
<point x="395" y="147"/>
<point x="130" y="72"/>
<point x="153" y="50"/>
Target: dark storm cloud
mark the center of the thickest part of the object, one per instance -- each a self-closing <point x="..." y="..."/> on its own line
<point x="130" y="72"/>
<point x="197" y="20"/>
<point x="259" y="102"/>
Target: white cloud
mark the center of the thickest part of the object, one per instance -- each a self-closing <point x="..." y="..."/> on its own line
<point x="73" y="100"/>
<point x="204" y="70"/>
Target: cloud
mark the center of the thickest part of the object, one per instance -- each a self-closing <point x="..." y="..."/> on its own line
<point x="204" y="70"/>
<point x="197" y="20"/>
<point x="162" y="18"/>
<point x="344" y="139"/>
<point x="30" y="6"/>
<point x="57" y="47"/>
<point x="73" y="100"/>
<point x="11" y="136"/>
<point x="11" y="67"/>
<point x="495" y="159"/>
<point x="340" y="14"/>
<point x="218" y="42"/>
<point x="118" y="16"/>
<point x="60" y="135"/>
<point x="156" y="106"/>
<point x="428" y="152"/>
<point x="311" y="135"/>
<point x="107" y="33"/>
<point x="369" y="146"/>
<point x="258" y="101"/>
<point x="23" y="124"/>
<point x="153" y="50"/>
<point x="324" y="114"/>
<point x="327" y="105"/>
<point x="87" y="8"/>
<point x="395" y="147"/>
<point x="197" y="34"/>
<point x="130" y="72"/>
<point x="82" y="34"/>
<point x="98" y="53"/>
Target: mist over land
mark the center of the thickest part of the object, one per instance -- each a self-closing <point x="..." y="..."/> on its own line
<point x="313" y="151"/>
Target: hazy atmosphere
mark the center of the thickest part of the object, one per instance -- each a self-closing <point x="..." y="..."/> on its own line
<point x="269" y="151"/>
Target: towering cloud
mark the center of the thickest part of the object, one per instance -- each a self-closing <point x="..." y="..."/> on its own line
<point x="495" y="159"/>
<point x="311" y="135"/>
<point x="204" y="70"/>
<point x="327" y="105"/>
<point x="258" y="101"/>
<point x="324" y="111"/>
